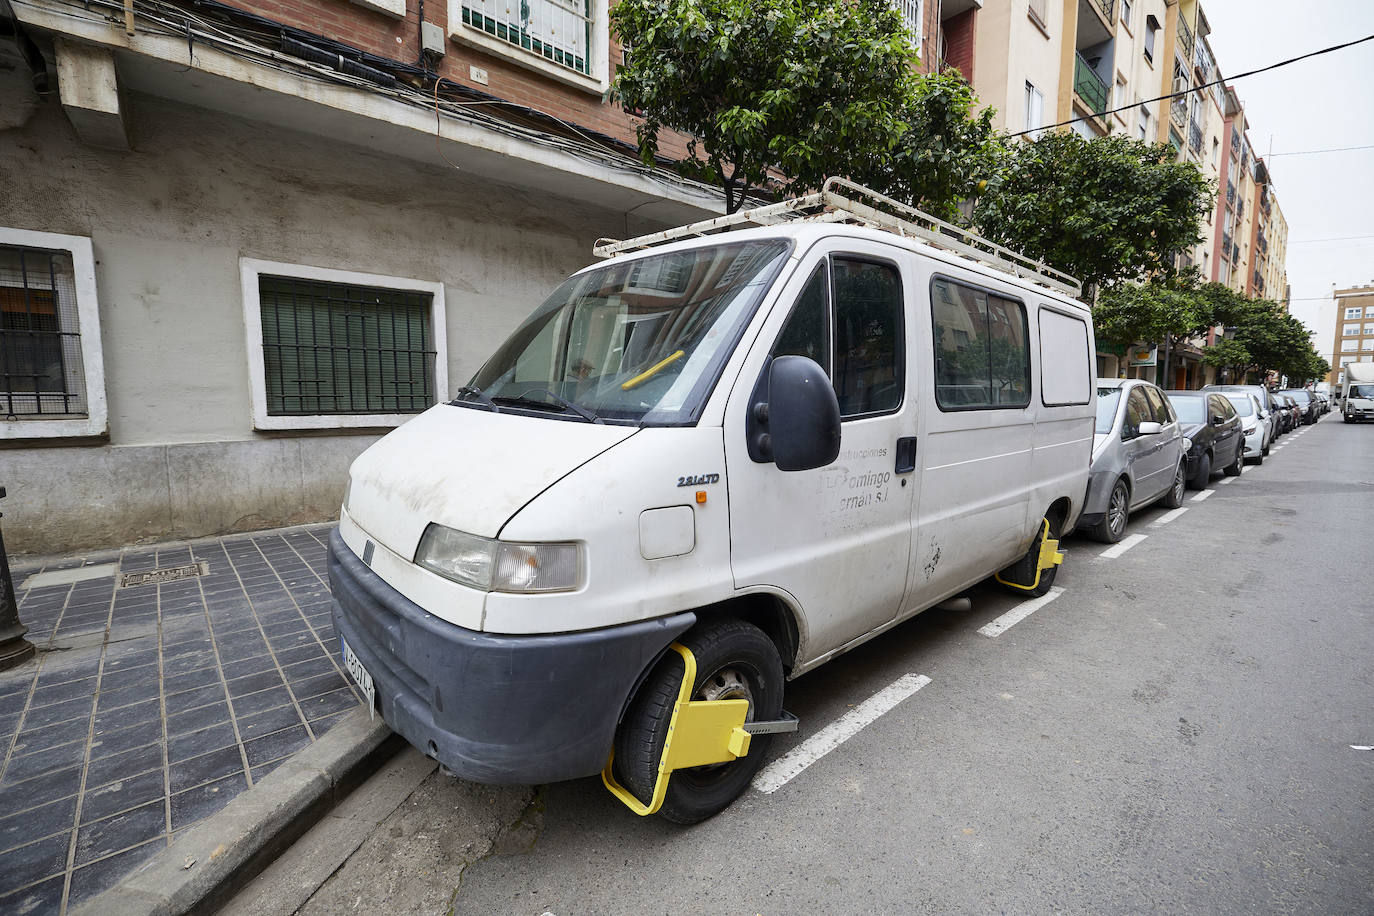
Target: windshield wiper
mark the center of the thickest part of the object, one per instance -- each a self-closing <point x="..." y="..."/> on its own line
<point x="564" y="403"/>
<point x="472" y="391"/>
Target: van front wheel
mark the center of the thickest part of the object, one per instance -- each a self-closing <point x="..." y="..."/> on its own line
<point x="735" y="660"/>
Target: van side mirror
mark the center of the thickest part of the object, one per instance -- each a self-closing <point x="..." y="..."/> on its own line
<point x="1149" y="428"/>
<point x="794" y="419"/>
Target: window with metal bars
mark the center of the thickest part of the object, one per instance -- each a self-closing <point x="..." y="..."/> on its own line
<point x="41" y="372"/>
<point x="557" y="30"/>
<point x="342" y="348"/>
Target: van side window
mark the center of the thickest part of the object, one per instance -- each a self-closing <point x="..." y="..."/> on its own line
<point x="868" y="335"/>
<point x="807" y="332"/>
<point x="982" y="348"/>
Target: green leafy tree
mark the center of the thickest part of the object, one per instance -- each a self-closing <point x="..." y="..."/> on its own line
<point x="1163" y="308"/>
<point x="1104" y="210"/>
<point x="786" y="90"/>
<point x="945" y="154"/>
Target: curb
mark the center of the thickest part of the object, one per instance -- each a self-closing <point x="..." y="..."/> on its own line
<point x="227" y="849"/>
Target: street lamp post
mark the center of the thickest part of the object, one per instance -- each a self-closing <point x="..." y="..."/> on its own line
<point x="14" y="648"/>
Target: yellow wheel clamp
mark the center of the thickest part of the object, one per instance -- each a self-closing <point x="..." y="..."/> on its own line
<point x="700" y="732"/>
<point x="1049" y="558"/>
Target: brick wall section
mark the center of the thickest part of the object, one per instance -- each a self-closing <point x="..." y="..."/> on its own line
<point x="399" y="40"/>
<point x="959" y="43"/>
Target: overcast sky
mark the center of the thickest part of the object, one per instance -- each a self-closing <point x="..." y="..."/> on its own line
<point x="1323" y="103"/>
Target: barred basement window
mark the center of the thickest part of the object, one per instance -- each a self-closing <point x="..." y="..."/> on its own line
<point x="557" y="30"/>
<point x="342" y="348"/>
<point x="41" y="368"/>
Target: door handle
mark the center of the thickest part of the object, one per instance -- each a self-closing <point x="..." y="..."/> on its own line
<point x="906" y="455"/>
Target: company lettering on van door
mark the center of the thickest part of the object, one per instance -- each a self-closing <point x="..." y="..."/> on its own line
<point x="698" y="480"/>
<point x="873" y="485"/>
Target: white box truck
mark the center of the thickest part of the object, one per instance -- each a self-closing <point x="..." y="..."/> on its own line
<point x="710" y="464"/>
<point x="1357" y="392"/>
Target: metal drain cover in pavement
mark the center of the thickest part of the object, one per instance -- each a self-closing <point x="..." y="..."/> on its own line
<point x="162" y="576"/>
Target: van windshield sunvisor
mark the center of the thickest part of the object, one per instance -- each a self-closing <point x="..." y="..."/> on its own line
<point x="638" y="341"/>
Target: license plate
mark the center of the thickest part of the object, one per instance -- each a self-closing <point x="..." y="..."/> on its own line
<point x="360" y="676"/>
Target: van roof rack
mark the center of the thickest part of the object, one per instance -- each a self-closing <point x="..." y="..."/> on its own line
<point x="843" y="201"/>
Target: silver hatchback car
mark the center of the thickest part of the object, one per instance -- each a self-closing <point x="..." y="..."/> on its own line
<point x="1138" y="456"/>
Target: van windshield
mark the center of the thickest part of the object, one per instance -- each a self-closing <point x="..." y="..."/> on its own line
<point x="637" y="341"/>
<point x="1362" y="391"/>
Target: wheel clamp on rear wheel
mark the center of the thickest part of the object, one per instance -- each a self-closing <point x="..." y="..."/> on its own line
<point x="700" y="732"/>
<point x="1048" y="558"/>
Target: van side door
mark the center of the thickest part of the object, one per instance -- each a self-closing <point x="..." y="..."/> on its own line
<point x="833" y="542"/>
<point x="974" y="388"/>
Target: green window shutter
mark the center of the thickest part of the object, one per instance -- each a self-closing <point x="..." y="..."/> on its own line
<point x="338" y="348"/>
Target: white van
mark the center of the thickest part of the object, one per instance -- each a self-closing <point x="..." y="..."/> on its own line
<point x="744" y="452"/>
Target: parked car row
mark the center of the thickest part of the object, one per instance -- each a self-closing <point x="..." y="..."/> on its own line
<point x="1150" y="445"/>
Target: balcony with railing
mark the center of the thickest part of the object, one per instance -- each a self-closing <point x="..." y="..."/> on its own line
<point x="1185" y="39"/>
<point x="1226" y="244"/>
<point x="1091" y="88"/>
<point x="1202" y="60"/>
<point x="1240" y="208"/>
<point x="1230" y="192"/>
<point x="1195" y="137"/>
<point x="1262" y="243"/>
<point x="1178" y="113"/>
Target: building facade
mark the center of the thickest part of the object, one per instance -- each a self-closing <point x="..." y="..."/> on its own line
<point x="238" y="243"/>
<point x="1354" y="328"/>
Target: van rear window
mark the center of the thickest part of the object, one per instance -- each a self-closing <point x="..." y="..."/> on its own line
<point x="982" y="348"/>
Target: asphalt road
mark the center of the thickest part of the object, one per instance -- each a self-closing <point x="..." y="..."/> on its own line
<point x="1173" y="733"/>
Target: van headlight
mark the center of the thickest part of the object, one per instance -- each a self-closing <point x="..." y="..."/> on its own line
<point x="499" y="566"/>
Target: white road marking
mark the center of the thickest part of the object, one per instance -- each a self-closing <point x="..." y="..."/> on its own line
<point x="780" y="772"/>
<point x="1201" y="495"/>
<point x="1019" y="613"/>
<point x="1168" y="517"/>
<point x="1362" y="747"/>
<point x="70" y="576"/>
<point x="1225" y="480"/>
<point x="1111" y="553"/>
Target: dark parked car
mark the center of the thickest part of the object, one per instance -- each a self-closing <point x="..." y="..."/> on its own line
<point x="1211" y="424"/>
<point x="1288" y="411"/>
<point x="1306" y="401"/>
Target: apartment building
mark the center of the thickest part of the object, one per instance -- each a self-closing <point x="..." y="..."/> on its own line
<point x="1354" y="341"/>
<point x="1269" y="275"/>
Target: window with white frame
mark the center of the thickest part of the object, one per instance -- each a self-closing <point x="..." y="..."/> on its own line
<point x="1350" y="346"/>
<point x="911" y="15"/>
<point x="1126" y="14"/>
<point x="1354" y="312"/>
<point x="52" y="378"/>
<point x="1144" y="124"/>
<point x="1369" y="328"/>
<point x="1350" y="330"/>
<point x="1039" y="12"/>
<point x="333" y="348"/>
<point x="1151" y="29"/>
<point x="565" y="39"/>
<point x="1035" y="109"/>
<point x="1367" y="343"/>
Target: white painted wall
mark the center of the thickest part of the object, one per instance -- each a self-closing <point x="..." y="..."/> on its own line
<point x="169" y="222"/>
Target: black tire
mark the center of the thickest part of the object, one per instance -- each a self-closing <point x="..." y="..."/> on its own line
<point x="1264" y="452"/>
<point x="1259" y="459"/>
<point x="1113" y="525"/>
<point x="1174" y="498"/>
<point x="734" y="660"/>
<point x="1204" y="472"/>
<point x="1023" y="570"/>
<point x="1235" y="467"/>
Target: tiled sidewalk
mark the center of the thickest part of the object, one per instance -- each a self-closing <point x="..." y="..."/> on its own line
<point x="151" y="706"/>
